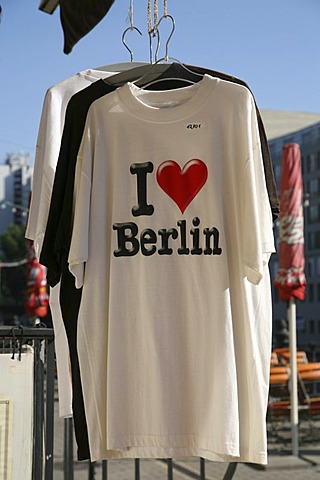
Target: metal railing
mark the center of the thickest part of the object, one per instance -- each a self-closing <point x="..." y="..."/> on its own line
<point x="42" y="341"/>
<point x="172" y="467"/>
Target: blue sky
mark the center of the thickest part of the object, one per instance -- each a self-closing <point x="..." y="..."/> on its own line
<point x="274" y="46"/>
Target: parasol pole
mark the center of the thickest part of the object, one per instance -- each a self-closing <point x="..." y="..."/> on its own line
<point x="292" y="320"/>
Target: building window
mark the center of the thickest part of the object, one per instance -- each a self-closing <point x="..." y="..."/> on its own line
<point x="313" y="186"/>
<point x="311" y="292"/>
<point x="314" y="240"/>
<point x="310" y="267"/>
<point x="318" y="265"/>
<point x="303" y="164"/>
<point x="311" y="326"/>
<point x="312" y="162"/>
<point x="313" y="214"/>
<point x="307" y="138"/>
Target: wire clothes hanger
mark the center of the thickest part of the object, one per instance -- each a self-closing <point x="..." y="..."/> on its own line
<point x="125" y="66"/>
<point x="151" y="33"/>
<point x="137" y="73"/>
<point x="167" y="58"/>
<point x="156" y="29"/>
<point x="131" y="28"/>
<point x="146" y="74"/>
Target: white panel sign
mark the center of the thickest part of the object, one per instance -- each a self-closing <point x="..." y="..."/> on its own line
<point x="16" y="415"/>
<point x="6" y="407"/>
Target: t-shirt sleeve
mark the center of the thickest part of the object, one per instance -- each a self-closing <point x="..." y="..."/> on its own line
<point x="79" y="247"/>
<point x="257" y="222"/>
<point x="47" y="152"/>
<point x="70" y="142"/>
<point x="38" y="171"/>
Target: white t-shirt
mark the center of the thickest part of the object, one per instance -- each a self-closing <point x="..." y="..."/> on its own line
<point x="171" y="237"/>
<point x="47" y="152"/>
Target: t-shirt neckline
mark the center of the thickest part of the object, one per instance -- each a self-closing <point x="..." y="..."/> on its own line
<point x="163" y="106"/>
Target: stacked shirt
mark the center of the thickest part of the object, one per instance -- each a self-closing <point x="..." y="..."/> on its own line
<point x="163" y="254"/>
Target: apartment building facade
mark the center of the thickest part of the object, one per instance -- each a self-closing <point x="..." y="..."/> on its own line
<point x="15" y="186"/>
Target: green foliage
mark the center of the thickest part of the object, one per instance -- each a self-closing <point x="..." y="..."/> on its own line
<point x="13" y="280"/>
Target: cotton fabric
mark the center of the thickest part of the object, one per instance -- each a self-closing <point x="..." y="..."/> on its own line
<point x="179" y="325"/>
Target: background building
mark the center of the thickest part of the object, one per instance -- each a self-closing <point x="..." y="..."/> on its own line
<point x="15" y="185"/>
<point x="303" y="129"/>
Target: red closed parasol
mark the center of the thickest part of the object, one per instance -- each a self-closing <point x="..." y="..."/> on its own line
<point x="290" y="280"/>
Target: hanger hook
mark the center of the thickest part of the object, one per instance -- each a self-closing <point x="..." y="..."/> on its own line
<point x="151" y="35"/>
<point x="169" y="38"/>
<point x="123" y="39"/>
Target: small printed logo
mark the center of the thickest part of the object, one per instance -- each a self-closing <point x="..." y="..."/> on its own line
<point x="194" y="126"/>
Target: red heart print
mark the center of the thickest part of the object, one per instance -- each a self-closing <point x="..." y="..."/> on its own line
<point x="182" y="185"/>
